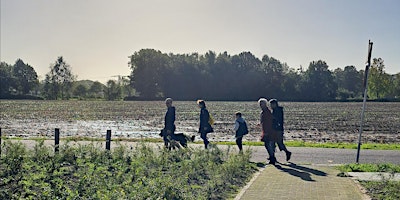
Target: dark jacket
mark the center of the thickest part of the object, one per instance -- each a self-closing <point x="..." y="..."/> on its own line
<point x="277" y="122"/>
<point x="268" y="133"/>
<point x="169" y="120"/>
<point x="204" y="118"/>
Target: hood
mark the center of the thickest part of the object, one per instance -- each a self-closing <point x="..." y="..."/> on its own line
<point x="240" y="119"/>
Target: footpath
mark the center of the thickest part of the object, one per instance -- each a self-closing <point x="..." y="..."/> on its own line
<point x="311" y="174"/>
<point x="291" y="181"/>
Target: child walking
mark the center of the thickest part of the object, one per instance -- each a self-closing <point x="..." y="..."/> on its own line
<point x="240" y="130"/>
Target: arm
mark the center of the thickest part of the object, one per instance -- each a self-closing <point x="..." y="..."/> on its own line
<point x="236" y="126"/>
<point x="204" y="117"/>
<point x="266" y="123"/>
<point x="170" y="119"/>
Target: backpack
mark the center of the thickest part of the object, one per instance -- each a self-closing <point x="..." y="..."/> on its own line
<point x="211" y="120"/>
<point x="243" y="130"/>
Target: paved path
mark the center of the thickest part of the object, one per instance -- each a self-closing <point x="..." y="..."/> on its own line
<point x="325" y="156"/>
<point x="309" y="174"/>
<point x="291" y="181"/>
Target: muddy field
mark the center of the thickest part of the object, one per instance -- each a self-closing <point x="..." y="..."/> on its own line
<point x="321" y="122"/>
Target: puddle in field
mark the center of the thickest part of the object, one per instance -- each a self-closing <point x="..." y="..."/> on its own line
<point x="98" y="128"/>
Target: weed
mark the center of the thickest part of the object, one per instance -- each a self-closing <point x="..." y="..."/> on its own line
<point x="143" y="172"/>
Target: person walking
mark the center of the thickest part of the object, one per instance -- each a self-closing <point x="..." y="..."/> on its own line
<point x="268" y="135"/>
<point x="169" y="122"/>
<point x="205" y="127"/>
<point x="277" y="125"/>
<point x="240" y="130"/>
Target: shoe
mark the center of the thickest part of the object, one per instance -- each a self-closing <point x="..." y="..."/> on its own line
<point x="288" y="155"/>
<point x="272" y="161"/>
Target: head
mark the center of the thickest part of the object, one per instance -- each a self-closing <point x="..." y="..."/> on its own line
<point x="263" y="102"/>
<point x="168" y="102"/>
<point x="273" y="103"/>
<point x="201" y="103"/>
<point x="238" y="115"/>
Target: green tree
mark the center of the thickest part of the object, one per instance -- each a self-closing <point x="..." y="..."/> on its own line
<point x="148" y="67"/>
<point x="96" y="90"/>
<point x="25" y="77"/>
<point x="378" y="80"/>
<point x="80" y="91"/>
<point x="290" y="85"/>
<point x="396" y="86"/>
<point x="349" y="82"/>
<point x="221" y="76"/>
<point x="112" y="90"/>
<point x="183" y="76"/>
<point x="275" y="76"/>
<point x="318" y="83"/>
<point x="58" y="81"/>
<point x="6" y="79"/>
<point x="245" y="76"/>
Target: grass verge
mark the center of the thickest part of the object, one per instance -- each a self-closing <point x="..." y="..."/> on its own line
<point x="372" y="146"/>
<point x="384" y="189"/>
<point x="291" y="143"/>
<point x="140" y="172"/>
<point x="383" y="167"/>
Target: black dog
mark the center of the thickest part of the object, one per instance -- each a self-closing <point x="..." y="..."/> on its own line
<point x="176" y="140"/>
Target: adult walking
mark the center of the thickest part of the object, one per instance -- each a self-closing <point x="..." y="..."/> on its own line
<point x="277" y="125"/>
<point x="205" y="126"/>
<point x="268" y="135"/>
<point x="169" y="122"/>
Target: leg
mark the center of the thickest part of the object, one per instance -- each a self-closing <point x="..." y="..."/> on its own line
<point x="280" y="143"/>
<point x="239" y="143"/>
<point x="270" y="146"/>
<point x="282" y="146"/>
<point x="203" y="136"/>
<point x="165" y="140"/>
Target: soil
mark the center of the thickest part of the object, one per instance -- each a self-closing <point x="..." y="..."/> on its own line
<point x="319" y="122"/>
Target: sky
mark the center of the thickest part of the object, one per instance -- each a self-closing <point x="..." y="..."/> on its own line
<point x="96" y="37"/>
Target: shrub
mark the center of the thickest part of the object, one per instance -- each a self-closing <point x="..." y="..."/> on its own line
<point x="143" y="172"/>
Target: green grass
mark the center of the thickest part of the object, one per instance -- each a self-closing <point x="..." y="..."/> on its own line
<point x="382" y="167"/>
<point x="292" y="143"/>
<point x="384" y="189"/>
<point x="374" y="146"/>
<point x="142" y="172"/>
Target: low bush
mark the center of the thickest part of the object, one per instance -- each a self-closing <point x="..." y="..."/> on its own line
<point x="382" y="189"/>
<point x="142" y="172"/>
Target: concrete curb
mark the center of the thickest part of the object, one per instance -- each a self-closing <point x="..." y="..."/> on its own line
<point x="243" y="190"/>
<point x="374" y="176"/>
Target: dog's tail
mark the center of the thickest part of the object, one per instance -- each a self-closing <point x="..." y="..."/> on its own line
<point x="192" y="138"/>
<point x="189" y="138"/>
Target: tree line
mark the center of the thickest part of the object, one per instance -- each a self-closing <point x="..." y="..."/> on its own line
<point x="210" y="76"/>
<point x="156" y="75"/>
<point x="20" y="81"/>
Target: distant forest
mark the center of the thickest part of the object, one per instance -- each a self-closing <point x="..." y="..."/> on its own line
<point x="156" y="75"/>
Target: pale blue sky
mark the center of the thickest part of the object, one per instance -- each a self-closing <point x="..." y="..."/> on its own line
<point x="96" y="36"/>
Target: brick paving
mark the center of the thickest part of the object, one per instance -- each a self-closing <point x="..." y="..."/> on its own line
<point x="291" y="181"/>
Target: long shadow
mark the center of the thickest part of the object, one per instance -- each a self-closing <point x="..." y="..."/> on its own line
<point x="303" y="175"/>
<point x="313" y="171"/>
